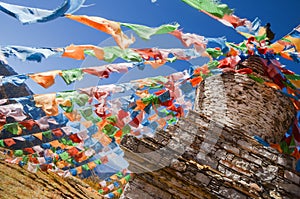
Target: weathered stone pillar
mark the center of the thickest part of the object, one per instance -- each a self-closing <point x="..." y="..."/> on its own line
<point x="252" y="107"/>
<point x="211" y="152"/>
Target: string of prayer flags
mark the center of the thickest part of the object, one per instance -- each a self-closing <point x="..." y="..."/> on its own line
<point x="289" y="46"/>
<point x="224" y="14"/>
<point x="114" y="28"/>
<point x="108" y="54"/>
<point x="27" y="15"/>
<point x="29" y="53"/>
<point x="47" y="79"/>
<point x="77" y="132"/>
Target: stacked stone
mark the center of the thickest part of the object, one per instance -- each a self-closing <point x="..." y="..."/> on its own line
<point x="235" y="167"/>
<point x="250" y="106"/>
<point x="255" y="64"/>
<point x="211" y="153"/>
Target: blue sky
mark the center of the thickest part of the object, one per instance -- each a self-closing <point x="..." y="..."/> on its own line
<point x="283" y="16"/>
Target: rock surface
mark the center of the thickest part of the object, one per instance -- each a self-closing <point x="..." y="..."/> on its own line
<point x="10" y="90"/>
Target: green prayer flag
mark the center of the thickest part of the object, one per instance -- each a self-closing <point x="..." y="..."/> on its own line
<point x="70" y="160"/>
<point x="64" y="155"/>
<point x="86" y="112"/>
<point x="257" y="79"/>
<point x="81" y="99"/>
<point x="18" y="153"/>
<point x="47" y="134"/>
<point x="69" y="143"/>
<point x="72" y="75"/>
<point x="127" y="178"/>
<point x="101" y="191"/>
<point x="25" y="159"/>
<point x="210" y="6"/>
<point x="109" y="129"/>
<point x="172" y="59"/>
<point x="152" y="99"/>
<point x="126" y="129"/>
<point x="292" y="77"/>
<point x="261" y="38"/>
<point x="90" y="52"/>
<point x="160" y="79"/>
<point x="12" y="128"/>
<point x="67" y="109"/>
<point x="114" y="52"/>
<point x="98" y="161"/>
<point x="85" y="167"/>
<point x="289" y="84"/>
<point x="284" y="146"/>
<point x="213" y="64"/>
<point x="2" y="143"/>
<point x="112" y="119"/>
<point x="214" y="52"/>
<point x="146" y="32"/>
<point x="119" y="174"/>
<point x="172" y="120"/>
<point x="285" y="39"/>
<point x="120" y="191"/>
<point x="64" y="141"/>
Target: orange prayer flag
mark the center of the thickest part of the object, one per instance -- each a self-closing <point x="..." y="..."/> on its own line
<point x="73" y="116"/>
<point x="61" y="164"/>
<point x="102" y="138"/>
<point x="38" y="135"/>
<point x="45" y="79"/>
<point x="123" y="181"/>
<point x="277" y="47"/>
<point x="81" y="157"/>
<point x="296" y="83"/>
<point x="202" y="70"/>
<point x="296" y="104"/>
<point x="9" y="142"/>
<point x="92" y="165"/>
<point x="295" y="41"/>
<point x="153" y="117"/>
<point x="142" y="93"/>
<point x="55" y="144"/>
<point x="285" y="55"/>
<point x="87" y="124"/>
<point x="64" y="102"/>
<point x="119" y="133"/>
<point x="162" y="122"/>
<point x="233" y="52"/>
<point x="29" y="150"/>
<point x="118" y="140"/>
<point x="196" y="80"/>
<point x="77" y="52"/>
<point x="47" y="102"/>
<point x="139" y="105"/>
<point x="110" y="27"/>
<point x="156" y="63"/>
<point x="273" y="85"/>
<point x="277" y="147"/>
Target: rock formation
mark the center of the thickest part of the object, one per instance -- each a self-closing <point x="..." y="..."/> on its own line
<point x="10" y="90"/>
